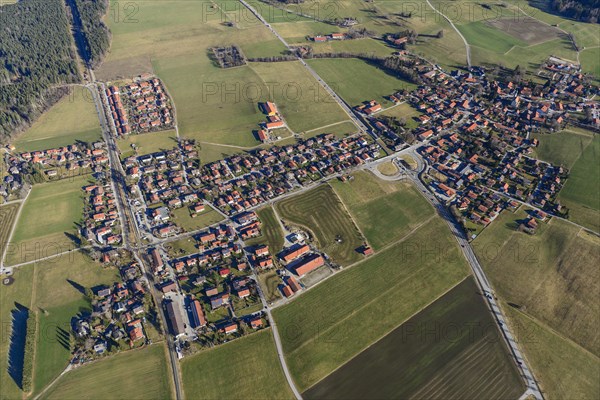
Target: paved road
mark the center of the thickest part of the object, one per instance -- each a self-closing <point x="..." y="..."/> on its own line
<point x="327" y="88"/>
<point x="280" y="354"/>
<point x="131" y="237"/>
<point x="461" y="237"/>
<point x="467" y="47"/>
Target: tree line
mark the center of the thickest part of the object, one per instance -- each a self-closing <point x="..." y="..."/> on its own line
<point x="583" y="10"/>
<point x="97" y="35"/>
<point x="36" y="56"/>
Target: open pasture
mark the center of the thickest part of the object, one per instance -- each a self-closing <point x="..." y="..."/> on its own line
<point x="368" y="82"/>
<point x="451" y="349"/>
<point x="337" y="319"/>
<point x="48" y="222"/>
<point x="552" y="275"/>
<point x="138" y="374"/>
<point x="244" y="368"/>
<point x="72" y="119"/>
<point x="384" y="211"/>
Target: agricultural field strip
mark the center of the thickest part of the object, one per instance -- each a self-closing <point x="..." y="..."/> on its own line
<point x="8" y="230"/>
<point x="557" y="333"/>
<point x="386" y="333"/>
<point x="408" y="277"/>
<point x="349" y="213"/>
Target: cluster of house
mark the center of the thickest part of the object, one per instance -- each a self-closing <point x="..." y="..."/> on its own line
<point x="368" y="107"/>
<point x="63" y="161"/>
<point x="142" y="106"/>
<point x="118" y="317"/>
<point x="325" y="38"/>
<point x="241" y="182"/>
<point x="490" y="146"/>
<point x="101" y="219"/>
<point x="300" y="260"/>
<point x="481" y="205"/>
<point x="162" y="178"/>
<point x="274" y="121"/>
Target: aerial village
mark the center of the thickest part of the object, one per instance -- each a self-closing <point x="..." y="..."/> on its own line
<point x="473" y="135"/>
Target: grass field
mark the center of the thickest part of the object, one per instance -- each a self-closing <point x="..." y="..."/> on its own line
<point x="269" y="282"/>
<point x="213" y="104"/>
<point x="20" y="292"/>
<point x="590" y="61"/>
<point x="183" y="218"/>
<point x="138" y="374"/>
<point x="552" y="275"/>
<point x="302" y="101"/>
<point x="563" y="369"/>
<point x="450" y="350"/>
<point x="564" y="147"/>
<point x="321" y="211"/>
<point x="244" y="368"/>
<point x="59" y="283"/>
<point x="372" y="84"/>
<point x="388" y="168"/>
<point x="339" y="318"/>
<point x="581" y="193"/>
<point x="70" y="120"/>
<point x="405" y="111"/>
<point x="181" y="247"/>
<point x="48" y="218"/>
<point x="384" y="211"/>
<point x="272" y="234"/>
<point x="8" y="214"/>
<point x="147" y="143"/>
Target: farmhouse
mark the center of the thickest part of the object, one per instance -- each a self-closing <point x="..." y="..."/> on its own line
<point x="309" y="264"/>
<point x="294" y="253"/>
<point x="175" y="319"/>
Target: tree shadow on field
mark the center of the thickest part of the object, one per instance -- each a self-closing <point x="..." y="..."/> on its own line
<point x="16" y="347"/>
<point x="77" y="286"/>
<point x="63" y="337"/>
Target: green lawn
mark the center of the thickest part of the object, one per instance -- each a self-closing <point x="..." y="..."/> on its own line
<point x="552" y="275"/>
<point x="49" y="217"/>
<point x="481" y="35"/>
<point x="590" y="62"/>
<point x="270" y="229"/>
<point x="465" y="357"/>
<point x="244" y="368"/>
<point x="405" y="111"/>
<point x="562" y="368"/>
<point x="384" y="211"/>
<point x="581" y="193"/>
<point x="58" y="299"/>
<point x="368" y="81"/>
<point x="183" y="218"/>
<point x="147" y="143"/>
<point x="138" y="374"/>
<point x="337" y="319"/>
<point x="302" y="101"/>
<point x="321" y="211"/>
<point x="269" y="282"/>
<point x="72" y="119"/>
<point x="172" y="39"/>
<point x="8" y="214"/>
<point x="19" y="292"/>
<point x="562" y="148"/>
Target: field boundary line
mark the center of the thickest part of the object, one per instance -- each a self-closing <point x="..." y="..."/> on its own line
<point x="555" y="332"/>
<point x="468" y="275"/>
<point x="348" y="212"/>
<point x="330" y="125"/>
<point x="37" y="324"/>
<point x="14" y="227"/>
<point x="381" y="294"/>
